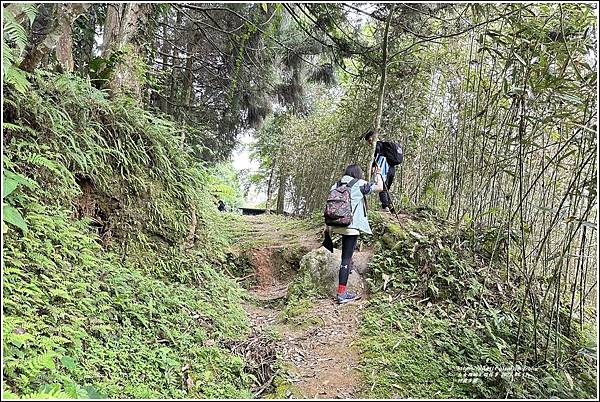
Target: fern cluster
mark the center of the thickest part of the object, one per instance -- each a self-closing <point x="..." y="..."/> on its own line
<point x="67" y="130"/>
<point x="14" y="41"/>
<point x="145" y="316"/>
<point x="75" y="316"/>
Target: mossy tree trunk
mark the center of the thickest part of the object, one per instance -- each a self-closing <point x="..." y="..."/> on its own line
<point x="57" y="36"/>
<point x="124" y="23"/>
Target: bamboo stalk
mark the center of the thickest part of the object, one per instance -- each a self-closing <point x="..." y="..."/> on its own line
<point x="381" y="91"/>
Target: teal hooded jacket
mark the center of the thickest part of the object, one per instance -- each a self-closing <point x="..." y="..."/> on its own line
<point x="357" y="202"/>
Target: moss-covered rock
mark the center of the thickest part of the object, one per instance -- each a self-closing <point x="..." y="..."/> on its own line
<point x="319" y="273"/>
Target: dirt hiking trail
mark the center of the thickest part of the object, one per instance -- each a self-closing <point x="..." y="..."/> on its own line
<point x="318" y="349"/>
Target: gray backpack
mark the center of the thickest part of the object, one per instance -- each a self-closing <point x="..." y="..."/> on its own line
<point x="338" y="210"/>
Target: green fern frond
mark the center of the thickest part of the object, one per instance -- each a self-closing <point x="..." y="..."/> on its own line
<point x="34" y="366"/>
<point x="14" y="41"/>
<point x="8" y="56"/>
<point x="13" y="31"/>
<point x="30" y="11"/>
<point x="42" y="161"/>
<point x="17" y="78"/>
<point x="19" y="128"/>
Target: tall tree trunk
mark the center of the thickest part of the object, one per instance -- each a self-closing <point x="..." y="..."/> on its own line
<point x="270" y="186"/>
<point x="175" y="72"/>
<point x="124" y="22"/>
<point x="381" y="92"/>
<point x="59" y="30"/>
<point x="84" y="50"/>
<point x="188" y="82"/>
<point x="64" y="51"/>
<point x="166" y="52"/>
<point x="281" y="194"/>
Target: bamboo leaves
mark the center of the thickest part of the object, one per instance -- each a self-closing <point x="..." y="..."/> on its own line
<point x="499" y="129"/>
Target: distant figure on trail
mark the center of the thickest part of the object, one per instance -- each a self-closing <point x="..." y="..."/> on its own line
<point x="387" y="156"/>
<point x="346" y="214"/>
<point x="221" y="206"/>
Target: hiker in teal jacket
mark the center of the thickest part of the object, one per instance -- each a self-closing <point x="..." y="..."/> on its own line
<point x="359" y="223"/>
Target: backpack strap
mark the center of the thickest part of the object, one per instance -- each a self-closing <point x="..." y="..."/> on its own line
<point x="349" y="185"/>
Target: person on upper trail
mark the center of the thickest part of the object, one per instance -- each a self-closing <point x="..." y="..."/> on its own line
<point x="349" y="218"/>
<point x="387" y="156"/>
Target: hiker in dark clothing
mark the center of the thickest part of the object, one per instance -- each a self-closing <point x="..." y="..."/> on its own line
<point x="353" y="176"/>
<point x="387" y="156"/>
<point x="221" y="206"/>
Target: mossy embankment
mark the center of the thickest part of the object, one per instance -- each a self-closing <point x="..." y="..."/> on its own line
<point x="443" y="320"/>
<point x="116" y="287"/>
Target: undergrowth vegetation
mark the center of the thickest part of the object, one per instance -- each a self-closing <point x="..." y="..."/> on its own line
<point x="443" y="321"/>
<point x="113" y="284"/>
<point x="121" y="279"/>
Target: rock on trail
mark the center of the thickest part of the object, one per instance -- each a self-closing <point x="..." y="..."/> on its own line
<point x="323" y="268"/>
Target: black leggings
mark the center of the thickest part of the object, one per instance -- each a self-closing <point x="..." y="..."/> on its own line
<point x="348" y="245"/>
<point x="384" y="196"/>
